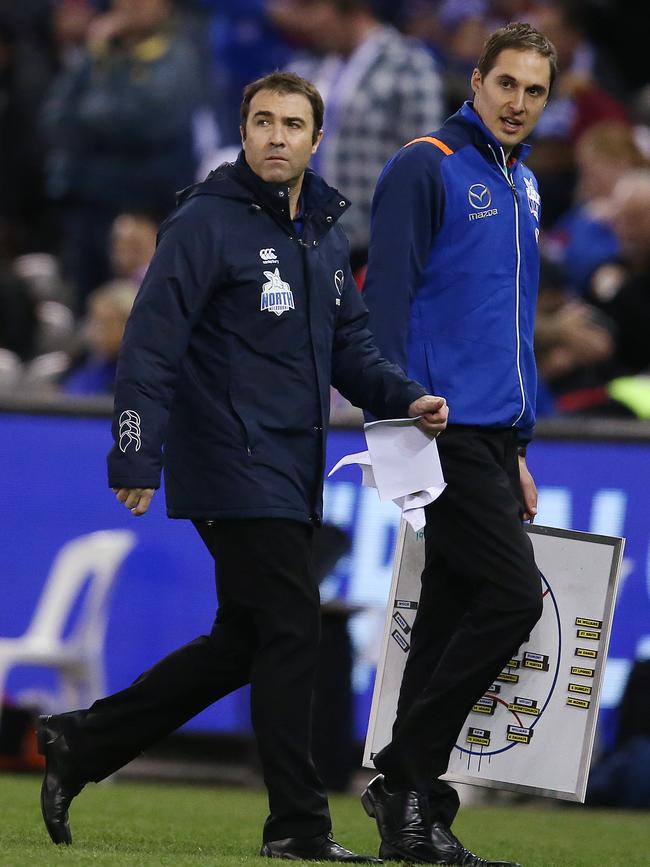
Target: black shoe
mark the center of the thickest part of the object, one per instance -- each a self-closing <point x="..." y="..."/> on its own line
<point x="403" y="822"/>
<point x="449" y="850"/>
<point x="322" y="848"/>
<point x="60" y="784"/>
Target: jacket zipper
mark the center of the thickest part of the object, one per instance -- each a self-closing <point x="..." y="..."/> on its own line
<point x="304" y="247"/>
<point x="503" y="168"/>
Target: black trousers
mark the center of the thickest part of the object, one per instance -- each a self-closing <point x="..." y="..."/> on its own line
<point x="266" y="632"/>
<point x="481" y="596"/>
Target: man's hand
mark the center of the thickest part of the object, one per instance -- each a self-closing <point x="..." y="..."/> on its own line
<point x="433" y="411"/>
<point x="528" y="490"/>
<point x="135" y="499"/>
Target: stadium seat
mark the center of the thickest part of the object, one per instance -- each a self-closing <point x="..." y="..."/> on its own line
<point x="77" y="589"/>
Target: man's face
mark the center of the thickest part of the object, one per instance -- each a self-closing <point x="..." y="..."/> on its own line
<point x="512" y="96"/>
<point x="142" y="17"/>
<point x="630" y="203"/>
<point x="277" y="139"/>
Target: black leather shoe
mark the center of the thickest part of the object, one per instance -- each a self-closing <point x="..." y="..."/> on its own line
<point x="60" y="784"/>
<point x="449" y="850"/>
<point x="403" y="822"/>
<point x="322" y="848"/>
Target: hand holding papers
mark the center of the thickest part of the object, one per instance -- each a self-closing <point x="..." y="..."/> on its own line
<point x="402" y="462"/>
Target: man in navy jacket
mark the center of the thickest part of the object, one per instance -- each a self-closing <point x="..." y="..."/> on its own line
<point x="452" y="287"/>
<point x="248" y="312"/>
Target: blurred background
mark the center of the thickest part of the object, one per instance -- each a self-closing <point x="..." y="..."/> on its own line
<point x="107" y="107"/>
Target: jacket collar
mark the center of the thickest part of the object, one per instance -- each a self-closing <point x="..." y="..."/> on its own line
<point x="481" y="135"/>
<point x="322" y="205"/>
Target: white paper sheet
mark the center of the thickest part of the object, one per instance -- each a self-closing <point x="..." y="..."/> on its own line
<point x="402" y="462"/>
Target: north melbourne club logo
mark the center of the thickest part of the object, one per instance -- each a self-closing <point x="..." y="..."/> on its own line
<point x="269" y="255"/>
<point x="129" y="424"/>
<point x="277" y="296"/>
<point x="534" y="200"/>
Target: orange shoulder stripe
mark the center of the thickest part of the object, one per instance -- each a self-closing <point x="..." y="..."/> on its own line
<point x="434" y="141"/>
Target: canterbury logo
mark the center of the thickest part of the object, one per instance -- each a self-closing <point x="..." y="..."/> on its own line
<point x="130" y="430"/>
<point x="268" y="254"/>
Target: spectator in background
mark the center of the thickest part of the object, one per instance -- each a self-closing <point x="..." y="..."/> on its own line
<point x="119" y="124"/>
<point x="622" y="778"/>
<point x="585" y="94"/>
<point x="622" y="291"/>
<point x="70" y="24"/>
<point x="244" y="45"/>
<point x="455" y="31"/>
<point x="381" y="89"/>
<point x="132" y="245"/>
<point x="18" y="319"/>
<point x="103" y="329"/>
<point x="27" y="65"/>
<point x="575" y="351"/>
<point x="583" y="238"/>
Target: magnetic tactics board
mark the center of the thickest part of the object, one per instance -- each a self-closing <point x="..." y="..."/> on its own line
<point x="533" y="730"/>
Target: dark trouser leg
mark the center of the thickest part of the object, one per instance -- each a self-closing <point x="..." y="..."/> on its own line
<point x="276" y="587"/>
<point x="480" y="560"/>
<point x="116" y="729"/>
<point x="445" y="594"/>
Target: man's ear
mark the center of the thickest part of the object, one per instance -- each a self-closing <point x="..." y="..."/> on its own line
<point x="242" y="133"/>
<point x="319" y="139"/>
<point x="476" y="80"/>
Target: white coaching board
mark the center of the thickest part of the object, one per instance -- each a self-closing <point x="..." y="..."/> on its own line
<point x="533" y="731"/>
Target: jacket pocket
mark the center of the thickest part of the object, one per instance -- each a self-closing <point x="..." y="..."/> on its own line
<point x="239" y="416"/>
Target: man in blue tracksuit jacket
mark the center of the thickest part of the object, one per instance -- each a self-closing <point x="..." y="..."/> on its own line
<point x="247" y="314"/>
<point x="452" y="288"/>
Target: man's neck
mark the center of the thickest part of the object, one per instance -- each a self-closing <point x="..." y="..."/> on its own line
<point x="295" y="188"/>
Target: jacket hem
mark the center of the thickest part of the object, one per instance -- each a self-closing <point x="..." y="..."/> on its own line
<point x="221" y="514"/>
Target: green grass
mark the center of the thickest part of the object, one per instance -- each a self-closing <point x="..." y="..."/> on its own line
<point x="142" y="824"/>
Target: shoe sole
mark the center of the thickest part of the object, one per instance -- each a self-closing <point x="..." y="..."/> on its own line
<point x="388" y="853"/>
<point x="41" y="742"/>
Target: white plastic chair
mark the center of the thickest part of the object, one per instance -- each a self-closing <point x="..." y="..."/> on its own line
<point x="91" y="560"/>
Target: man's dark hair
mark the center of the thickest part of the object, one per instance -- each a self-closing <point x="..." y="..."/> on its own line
<point x="521" y="37"/>
<point x="285" y="82"/>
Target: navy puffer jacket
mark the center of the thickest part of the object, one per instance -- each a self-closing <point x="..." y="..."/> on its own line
<point x="241" y="324"/>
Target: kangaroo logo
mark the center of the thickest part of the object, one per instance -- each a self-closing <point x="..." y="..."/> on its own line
<point x="534" y="200"/>
<point x="277" y="296"/>
<point x="129" y="424"/>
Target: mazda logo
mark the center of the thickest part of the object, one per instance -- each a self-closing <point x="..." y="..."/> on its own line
<point x="479" y="197"/>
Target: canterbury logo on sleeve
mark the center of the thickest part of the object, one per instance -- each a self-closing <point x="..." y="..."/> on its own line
<point x="129" y="432"/>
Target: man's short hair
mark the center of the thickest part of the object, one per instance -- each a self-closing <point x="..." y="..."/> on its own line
<point x="521" y="37"/>
<point x="285" y="82"/>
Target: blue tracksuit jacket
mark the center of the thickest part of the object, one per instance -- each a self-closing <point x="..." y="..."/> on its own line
<point x="241" y="324"/>
<point x="453" y="272"/>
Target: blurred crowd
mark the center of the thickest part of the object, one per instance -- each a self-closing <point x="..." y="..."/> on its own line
<point x="108" y="107"/>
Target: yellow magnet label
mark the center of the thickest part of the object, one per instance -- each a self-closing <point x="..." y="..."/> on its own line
<point x="578" y="702"/>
